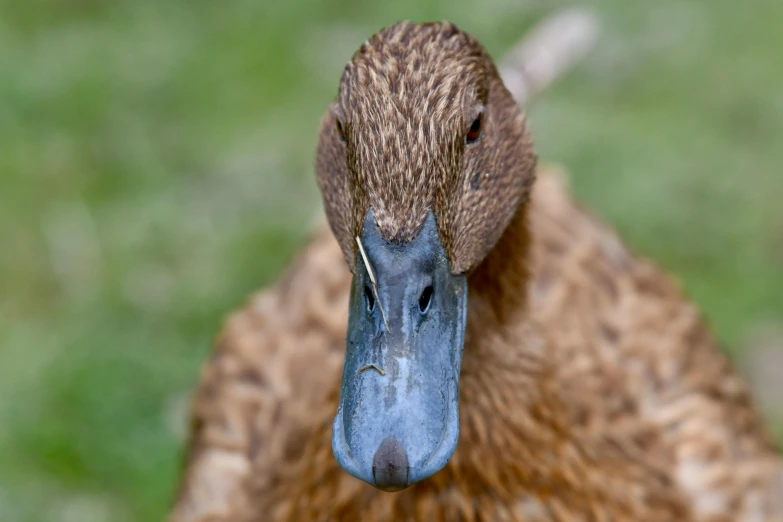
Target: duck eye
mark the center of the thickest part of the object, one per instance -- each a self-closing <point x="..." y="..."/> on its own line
<point x="370" y="299"/>
<point x="425" y="299"/>
<point x="340" y="129"/>
<point x="474" y="133"/>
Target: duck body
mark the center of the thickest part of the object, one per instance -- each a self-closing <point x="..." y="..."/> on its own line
<point x="467" y="336"/>
<point x="607" y="399"/>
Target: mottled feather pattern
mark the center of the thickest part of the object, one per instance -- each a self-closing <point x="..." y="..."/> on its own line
<point x="406" y="101"/>
<point x="603" y="398"/>
<point x="590" y="388"/>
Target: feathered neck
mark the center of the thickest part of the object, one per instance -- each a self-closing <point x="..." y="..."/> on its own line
<point x="513" y="423"/>
<point x="498" y="286"/>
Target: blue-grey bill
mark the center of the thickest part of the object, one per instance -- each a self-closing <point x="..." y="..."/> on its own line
<point x="397" y="421"/>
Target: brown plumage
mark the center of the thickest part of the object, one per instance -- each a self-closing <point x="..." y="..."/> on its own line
<point x="405" y="100"/>
<point x="590" y="389"/>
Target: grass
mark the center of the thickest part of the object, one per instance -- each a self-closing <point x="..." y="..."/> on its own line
<point x="155" y="168"/>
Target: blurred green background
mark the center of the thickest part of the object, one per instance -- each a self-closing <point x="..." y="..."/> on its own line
<point x="155" y="168"/>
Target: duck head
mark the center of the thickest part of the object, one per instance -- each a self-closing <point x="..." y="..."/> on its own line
<point x="423" y="160"/>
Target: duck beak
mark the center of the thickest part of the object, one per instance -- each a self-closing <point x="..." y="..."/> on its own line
<point x="397" y="422"/>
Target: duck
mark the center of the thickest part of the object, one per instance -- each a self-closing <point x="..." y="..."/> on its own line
<point x="461" y="340"/>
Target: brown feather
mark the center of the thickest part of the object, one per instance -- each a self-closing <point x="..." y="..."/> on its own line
<point x="599" y="396"/>
<point x="406" y="101"/>
<point x="590" y="388"/>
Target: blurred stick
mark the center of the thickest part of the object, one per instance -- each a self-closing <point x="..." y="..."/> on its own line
<point x="547" y="52"/>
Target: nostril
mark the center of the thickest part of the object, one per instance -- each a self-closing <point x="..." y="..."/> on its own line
<point x="390" y="466"/>
<point x="425" y="299"/>
<point x="370" y="298"/>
